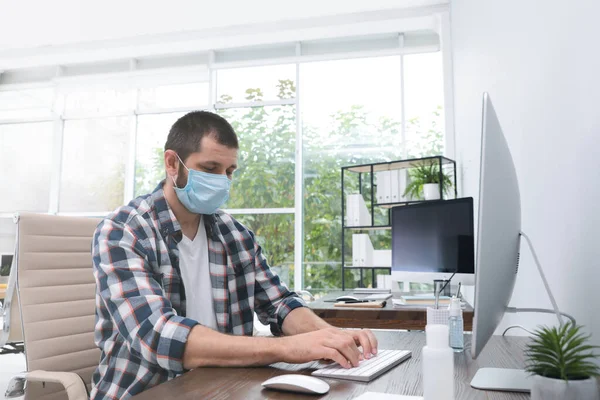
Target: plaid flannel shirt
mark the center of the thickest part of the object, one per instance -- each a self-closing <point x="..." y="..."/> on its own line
<point x="141" y="326"/>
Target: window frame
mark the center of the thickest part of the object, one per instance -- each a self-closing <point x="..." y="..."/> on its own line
<point x="209" y="74"/>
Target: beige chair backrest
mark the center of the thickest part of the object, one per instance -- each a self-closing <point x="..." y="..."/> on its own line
<point x="57" y="298"/>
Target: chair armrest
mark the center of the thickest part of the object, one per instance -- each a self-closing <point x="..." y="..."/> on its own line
<point x="73" y="384"/>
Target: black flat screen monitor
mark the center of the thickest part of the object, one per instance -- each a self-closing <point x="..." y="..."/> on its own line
<point x="433" y="238"/>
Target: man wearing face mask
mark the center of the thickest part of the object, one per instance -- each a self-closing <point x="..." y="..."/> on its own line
<point x="179" y="280"/>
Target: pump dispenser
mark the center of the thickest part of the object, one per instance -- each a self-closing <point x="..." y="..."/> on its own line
<point x="438" y="365"/>
<point x="456" y="326"/>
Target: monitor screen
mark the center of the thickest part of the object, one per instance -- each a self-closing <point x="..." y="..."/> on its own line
<point x="434" y="237"/>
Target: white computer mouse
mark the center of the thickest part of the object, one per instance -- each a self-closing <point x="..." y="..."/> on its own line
<point x="297" y="383"/>
<point x="346" y="298"/>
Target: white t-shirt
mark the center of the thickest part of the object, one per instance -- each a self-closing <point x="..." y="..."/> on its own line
<point x="195" y="272"/>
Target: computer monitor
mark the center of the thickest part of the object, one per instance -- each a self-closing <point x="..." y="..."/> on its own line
<point x="498" y="240"/>
<point x="433" y="240"/>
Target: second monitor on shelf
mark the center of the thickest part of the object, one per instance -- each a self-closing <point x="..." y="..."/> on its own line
<point x="433" y="240"/>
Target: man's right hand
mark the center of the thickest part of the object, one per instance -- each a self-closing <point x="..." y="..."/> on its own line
<point x="324" y="344"/>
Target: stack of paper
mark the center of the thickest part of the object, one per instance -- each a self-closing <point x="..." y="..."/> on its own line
<point x="428" y="300"/>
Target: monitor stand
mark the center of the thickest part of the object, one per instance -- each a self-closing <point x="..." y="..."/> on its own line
<point x="502" y="379"/>
<point x="515" y="380"/>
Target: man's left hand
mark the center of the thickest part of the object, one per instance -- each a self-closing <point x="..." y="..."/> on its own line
<point x="366" y="339"/>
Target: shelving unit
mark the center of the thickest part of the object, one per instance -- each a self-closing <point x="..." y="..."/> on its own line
<point x="370" y="170"/>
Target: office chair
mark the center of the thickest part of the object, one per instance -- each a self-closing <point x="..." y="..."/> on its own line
<point x="56" y="293"/>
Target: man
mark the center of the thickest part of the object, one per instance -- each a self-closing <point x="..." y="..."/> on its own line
<point x="178" y="280"/>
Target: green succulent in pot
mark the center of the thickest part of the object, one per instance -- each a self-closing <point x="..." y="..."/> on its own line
<point x="563" y="364"/>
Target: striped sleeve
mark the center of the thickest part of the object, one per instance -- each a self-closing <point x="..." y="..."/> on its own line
<point x="134" y="298"/>
<point x="273" y="300"/>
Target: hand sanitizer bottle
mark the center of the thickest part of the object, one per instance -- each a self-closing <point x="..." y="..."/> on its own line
<point x="438" y="365"/>
<point x="456" y="326"/>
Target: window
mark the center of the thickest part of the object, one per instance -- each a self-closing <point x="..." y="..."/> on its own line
<point x="337" y="112"/>
<point x="424" y="99"/>
<point x="96" y="102"/>
<point x="266" y="158"/>
<point x="275" y="234"/>
<point x="347" y="119"/>
<point x="242" y="85"/>
<point x="26" y="165"/>
<point x="189" y="95"/>
<point x="26" y="103"/>
<point x="93" y="164"/>
<point x="152" y="132"/>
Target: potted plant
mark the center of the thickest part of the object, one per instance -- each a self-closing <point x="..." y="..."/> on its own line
<point x="425" y="182"/>
<point x="561" y="361"/>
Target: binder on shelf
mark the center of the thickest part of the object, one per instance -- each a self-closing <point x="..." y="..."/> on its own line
<point x="379" y="182"/>
<point x="384" y="190"/>
<point x="395" y="186"/>
<point x="363" y="254"/>
<point x="387" y="187"/>
<point x="403" y="181"/>
<point x="355" y="250"/>
<point x="362" y="250"/>
<point x="358" y="213"/>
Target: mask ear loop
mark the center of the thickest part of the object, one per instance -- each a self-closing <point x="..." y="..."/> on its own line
<point x="175" y="179"/>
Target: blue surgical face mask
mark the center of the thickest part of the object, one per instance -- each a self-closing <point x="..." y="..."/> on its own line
<point x="204" y="193"/>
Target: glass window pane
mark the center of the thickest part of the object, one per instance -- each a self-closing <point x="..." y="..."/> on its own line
<point x="351" y="115"/>
<point x="93" y="164"/>
<point x="26" y="165"/>
<point x="98" y="102"/>
<point x="152" y="131"/>
<point x="266" y="159"/>
<point x="275" y="234"/>
<point x="322" y="278"/>
<point x="424" y="101"/>
<point x="241" y="85"/>
<point x="7" y="245"/>
<point x="189" y="95"/>
<point x="29" y="103"/>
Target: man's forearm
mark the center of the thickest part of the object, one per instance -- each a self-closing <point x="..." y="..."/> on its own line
<point x="206" y="347"/>
<point x="302" y="320"/>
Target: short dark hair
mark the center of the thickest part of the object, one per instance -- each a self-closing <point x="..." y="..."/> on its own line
<point x="187" y="132"/>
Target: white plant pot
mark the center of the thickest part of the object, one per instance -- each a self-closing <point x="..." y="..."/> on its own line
<point x="557" y="389"/>
<point x="431" y="191"/>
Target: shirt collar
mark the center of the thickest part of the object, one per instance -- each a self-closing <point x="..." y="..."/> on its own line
<point x="168" y="224"/>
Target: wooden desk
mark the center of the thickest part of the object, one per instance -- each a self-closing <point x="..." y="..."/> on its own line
<point x="245" y="383"/>
<point x="413" y="318"/>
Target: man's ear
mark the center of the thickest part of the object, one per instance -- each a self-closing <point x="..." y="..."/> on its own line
<point x="171" y="163"/>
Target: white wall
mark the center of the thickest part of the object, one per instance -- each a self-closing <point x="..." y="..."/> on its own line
<point x="35" y="23"/>
<point x="540" y="64"/>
